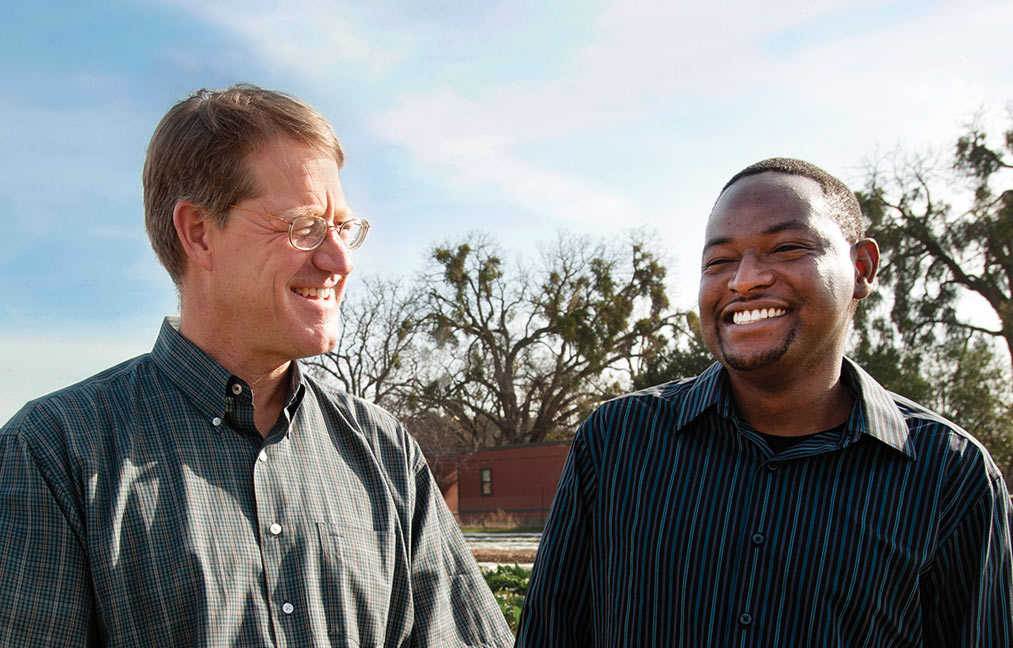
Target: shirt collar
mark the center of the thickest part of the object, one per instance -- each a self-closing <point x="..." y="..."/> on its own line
<point x="194" y="372"/>
<point x="874" y="414"/>
<point x="709" y="389"/>
<point x="206" y="383"/>
<point x="877" y="414"/>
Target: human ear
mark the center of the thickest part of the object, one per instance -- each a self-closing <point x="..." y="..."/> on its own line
<point x="865" y="256"/>
<point x="192" y="228"/>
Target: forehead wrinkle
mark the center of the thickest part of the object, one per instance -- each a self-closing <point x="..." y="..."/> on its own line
<point x="341" y="214"/>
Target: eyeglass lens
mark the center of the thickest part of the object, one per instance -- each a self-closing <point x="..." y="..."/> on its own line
<point x="308" y="231"/>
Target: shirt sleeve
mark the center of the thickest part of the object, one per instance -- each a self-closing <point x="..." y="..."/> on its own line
<point x="557" y="611"/>
<point x="967" y="594"/>
<point x="453" y="606"/>
<point x="45" y="591"/>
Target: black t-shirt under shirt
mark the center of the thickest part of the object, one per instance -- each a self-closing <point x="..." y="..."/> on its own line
<point x="781" y="443"/>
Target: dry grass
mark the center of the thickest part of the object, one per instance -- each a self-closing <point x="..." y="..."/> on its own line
<point x="496" y="521"/>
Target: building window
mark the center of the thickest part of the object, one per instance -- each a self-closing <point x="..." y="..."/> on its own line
<point x="486" y="482"/>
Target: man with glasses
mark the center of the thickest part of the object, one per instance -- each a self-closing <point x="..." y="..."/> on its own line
<point x="210" y="493"/>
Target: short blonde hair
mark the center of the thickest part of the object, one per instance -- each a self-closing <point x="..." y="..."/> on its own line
<point x="199" y="152"/>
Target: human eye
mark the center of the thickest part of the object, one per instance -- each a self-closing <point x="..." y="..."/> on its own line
<point x="715" y="264"/>
<point x="791" y="248"/>
<point x="307" y="229"/>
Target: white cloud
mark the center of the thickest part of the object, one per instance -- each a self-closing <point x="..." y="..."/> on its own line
<point x="647" y="59"/>
<point x="913" y="83"/>
<point x="473" y="144"/>
<point x="309" y="38"/>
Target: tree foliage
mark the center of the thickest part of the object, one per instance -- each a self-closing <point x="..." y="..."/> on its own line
<point x="913" y="336"/>
<point x="937" y="253"/>
<point x="684" y="355"/>
<point x="477" y="352"/>
<point x="522" y="353"/>
<point x="962" y="378"/>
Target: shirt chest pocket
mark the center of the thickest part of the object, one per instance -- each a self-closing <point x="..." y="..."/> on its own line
<point x="358" y="571"/>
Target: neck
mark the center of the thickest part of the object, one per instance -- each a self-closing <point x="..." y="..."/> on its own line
<point x="270" y="392"/>
<point x="805" y="404"/>
<point x="267" y="378"/>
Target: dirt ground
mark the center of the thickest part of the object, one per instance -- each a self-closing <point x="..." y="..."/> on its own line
<point x="503" y="556"/>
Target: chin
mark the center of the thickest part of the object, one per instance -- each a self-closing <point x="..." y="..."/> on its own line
<point x="314" y="344"/>
<point x="757" y="360"/>
<point x="751" y="363"/>
<point x="320" y="347"/>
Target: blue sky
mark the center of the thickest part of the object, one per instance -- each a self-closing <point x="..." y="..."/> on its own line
<point x="519" y="118"/>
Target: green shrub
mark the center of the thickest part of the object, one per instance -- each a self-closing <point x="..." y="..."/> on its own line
<point x="509" y="584"/>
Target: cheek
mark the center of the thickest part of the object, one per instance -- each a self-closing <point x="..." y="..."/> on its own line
<point x="708" y="291"/>
<point x="708" y="296"/>
<point x="706" y="306"/>
<point x="836" y="282"/>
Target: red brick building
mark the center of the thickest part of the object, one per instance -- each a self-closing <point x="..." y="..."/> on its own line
<point x="515" y="483"/>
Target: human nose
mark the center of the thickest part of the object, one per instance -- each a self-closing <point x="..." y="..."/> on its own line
<point x="750" y="274"/>
<point x="333" y="255"/>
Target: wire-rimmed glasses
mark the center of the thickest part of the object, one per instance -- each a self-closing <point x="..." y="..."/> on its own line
<point x="308" y="232"/>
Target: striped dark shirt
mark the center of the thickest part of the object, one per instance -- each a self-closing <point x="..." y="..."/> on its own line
<point x="142" y="508"/>
<point x="675" y="525"/>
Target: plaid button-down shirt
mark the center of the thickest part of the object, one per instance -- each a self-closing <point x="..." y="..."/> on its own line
<point x="142" y="508"/>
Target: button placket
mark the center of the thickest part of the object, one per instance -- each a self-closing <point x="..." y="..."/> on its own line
<point x="277" y="535"/>
<point x="754" y="539"/>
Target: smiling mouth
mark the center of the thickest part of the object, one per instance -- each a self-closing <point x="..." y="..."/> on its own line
<point x="314" y="293"/>
<point x="756" y="315"/>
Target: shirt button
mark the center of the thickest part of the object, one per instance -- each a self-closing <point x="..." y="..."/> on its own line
<point x="287" y="608"/>
<point x="745" y="619"/>
<point x="237" y="389"/>
<point x="216" y="421"/>
<point x="275" y="529"/>
<point x="758" y="538"/>
<point x="262" y="456"/>
<point x="772" y="467"/>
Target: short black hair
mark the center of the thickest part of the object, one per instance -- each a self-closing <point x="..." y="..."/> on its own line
<point x="842" y="201"/>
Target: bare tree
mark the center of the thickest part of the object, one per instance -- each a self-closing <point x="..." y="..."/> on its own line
<point x="518" y="355"/>
<point x="935" y="252"/>
<point x="377" y="353"/>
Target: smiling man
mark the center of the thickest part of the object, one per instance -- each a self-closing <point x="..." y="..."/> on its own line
<point x="209" y="493"/>
<point x="782" y="497"/>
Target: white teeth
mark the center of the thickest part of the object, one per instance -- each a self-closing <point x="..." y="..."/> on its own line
<point x="319" y="293"/>
<point x="748" y="317"/>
